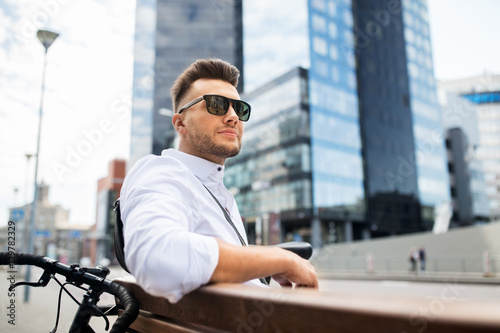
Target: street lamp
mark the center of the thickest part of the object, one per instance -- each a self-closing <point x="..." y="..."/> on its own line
<point x="46" y="38"/>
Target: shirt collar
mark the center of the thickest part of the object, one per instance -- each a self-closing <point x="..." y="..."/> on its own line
<point x="202" y="168"/>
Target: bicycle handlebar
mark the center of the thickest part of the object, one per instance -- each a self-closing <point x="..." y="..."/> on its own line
<point x="80" y="275"/>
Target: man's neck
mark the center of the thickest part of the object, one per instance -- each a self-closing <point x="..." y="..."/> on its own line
<point x="208" y="157"/>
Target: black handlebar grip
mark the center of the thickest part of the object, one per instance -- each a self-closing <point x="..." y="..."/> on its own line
<point x="130" y="307"/>
<point x="7" y="258"/>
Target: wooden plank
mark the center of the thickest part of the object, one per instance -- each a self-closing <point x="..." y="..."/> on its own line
<point x="241" y="308"/>
<point x="151" y="323"/>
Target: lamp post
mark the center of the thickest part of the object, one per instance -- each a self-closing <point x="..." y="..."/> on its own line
<point x="46" y="38"/>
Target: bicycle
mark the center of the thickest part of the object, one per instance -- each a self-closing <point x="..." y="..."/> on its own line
<point x="96" y="284"/>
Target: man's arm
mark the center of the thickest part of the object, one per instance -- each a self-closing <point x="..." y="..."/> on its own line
<point x="239" y="264"/>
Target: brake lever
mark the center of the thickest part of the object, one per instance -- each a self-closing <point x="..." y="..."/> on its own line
<point x="42" y="282"/>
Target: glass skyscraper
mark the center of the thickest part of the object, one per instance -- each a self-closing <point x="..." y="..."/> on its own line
<point x="170" y="35"/>
<point x="377" y="163"/>
<point x="430" y="151"/>
<point x="316" y="35"/>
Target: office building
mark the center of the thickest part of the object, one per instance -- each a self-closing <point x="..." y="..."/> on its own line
<point x="376" y="152"/>
<point x="271" y="177"/>
<point x="284" y="35"/>
<point x="467" y="185"/>
<point x="462" y="142"/>
<point x="170" y="35"/>
<point x="484" y="92"/>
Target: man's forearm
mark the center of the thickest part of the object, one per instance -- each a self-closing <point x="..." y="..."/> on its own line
<point x="239" y="264"/>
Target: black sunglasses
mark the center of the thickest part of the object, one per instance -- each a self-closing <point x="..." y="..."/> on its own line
<point x="219" y="105"/>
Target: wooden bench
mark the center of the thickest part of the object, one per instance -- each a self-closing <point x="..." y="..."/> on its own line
<point x="245" y="309"/>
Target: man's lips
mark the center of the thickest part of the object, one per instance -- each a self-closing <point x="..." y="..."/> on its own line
<point x="229" y="132"/>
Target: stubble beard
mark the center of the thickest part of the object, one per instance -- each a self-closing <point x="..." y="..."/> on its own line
<point x="206" y="145"/>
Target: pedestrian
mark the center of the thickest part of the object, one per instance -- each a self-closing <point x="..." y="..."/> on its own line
<point x="182" y="227"/>
<point x="421" y="256"/>
<point x="413" y="258"/>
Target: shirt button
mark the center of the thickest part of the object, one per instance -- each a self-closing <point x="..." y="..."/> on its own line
<point x="219" y="169"/>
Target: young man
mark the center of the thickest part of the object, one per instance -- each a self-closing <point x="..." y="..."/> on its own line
<point x="177" y="235"/>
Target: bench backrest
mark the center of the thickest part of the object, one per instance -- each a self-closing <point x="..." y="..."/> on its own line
<point x="119" y="242"/>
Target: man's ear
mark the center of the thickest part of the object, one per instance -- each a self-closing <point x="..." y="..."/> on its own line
<point x="178" y="123"/>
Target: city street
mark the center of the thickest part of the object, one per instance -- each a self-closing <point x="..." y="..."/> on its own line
<point x="39" y="314"/>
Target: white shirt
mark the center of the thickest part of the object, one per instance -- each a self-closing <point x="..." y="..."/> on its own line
<point x="170" y="222"/>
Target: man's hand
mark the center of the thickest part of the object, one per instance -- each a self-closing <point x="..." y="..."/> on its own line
<point x="301" y="273"/>
<point x="239" y="264"/>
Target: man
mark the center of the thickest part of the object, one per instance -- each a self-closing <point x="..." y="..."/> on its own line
<point x="182" y="227"/>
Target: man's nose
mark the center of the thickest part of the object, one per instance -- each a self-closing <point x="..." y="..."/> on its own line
<point x="231" y="114"/>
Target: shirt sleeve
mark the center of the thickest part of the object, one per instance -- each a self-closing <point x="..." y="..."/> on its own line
<point x="164" y="255"/>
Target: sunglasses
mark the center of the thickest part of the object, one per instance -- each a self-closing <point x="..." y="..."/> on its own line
<point x="219" y="105"/>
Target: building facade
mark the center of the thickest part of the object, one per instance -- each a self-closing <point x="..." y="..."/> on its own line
<point x="377" y="153"/>
<point x="316" y="35"/>
<point x="272" y="176"/>
<point x="170" y="35"/>
<point x="467" y="185"/>
<point x="484" y="92"/>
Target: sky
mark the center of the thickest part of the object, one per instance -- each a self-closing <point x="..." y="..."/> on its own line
<point x="87" y="99"/>
<point x="86" y="109"/>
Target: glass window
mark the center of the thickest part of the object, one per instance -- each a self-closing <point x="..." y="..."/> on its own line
<point x="319" y="23"/>
<point x="332" y="30"/>
<point x="319" y="5"/>
<point x="351" y="80"/>
<point x="349" y="37"/>
<point x="350" y="58"/>
<point x="320" y="46"/>
<point x="411" y="52"/>
<point x="329" y="161"/>
<point x="335" y="74"/>
<point x="409" y="36"/>
<point x="333" y="99"/>
<point x="321" y="68"/>
<point x="332" y="129"/>
<point x="413" y="70"/>
<point x="348" y="19"/>
<point x="332" y="9"/>
<point x="334" y="52"/>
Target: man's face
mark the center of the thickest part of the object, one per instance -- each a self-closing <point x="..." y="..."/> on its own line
<point x="202" y="134"/>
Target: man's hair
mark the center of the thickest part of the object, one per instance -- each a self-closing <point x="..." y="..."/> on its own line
<point x="203" y="69"/>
